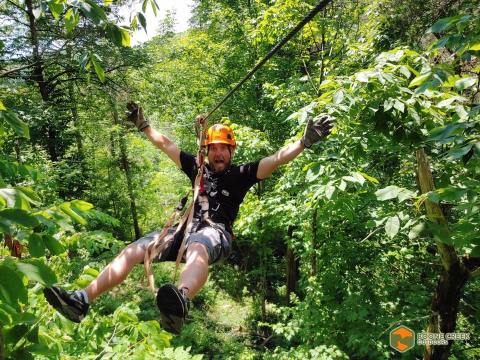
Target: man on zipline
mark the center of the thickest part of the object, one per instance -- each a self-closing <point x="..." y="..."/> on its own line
<point x="225" y="186"/>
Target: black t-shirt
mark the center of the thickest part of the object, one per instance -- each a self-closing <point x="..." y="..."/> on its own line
<point x="225" y="190"/>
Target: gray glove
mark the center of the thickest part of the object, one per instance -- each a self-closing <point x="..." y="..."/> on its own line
<point x="135" y="115"/>
<point x="316" y="130"/>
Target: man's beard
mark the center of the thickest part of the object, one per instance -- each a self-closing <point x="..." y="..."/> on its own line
<point x="220" y="165"/>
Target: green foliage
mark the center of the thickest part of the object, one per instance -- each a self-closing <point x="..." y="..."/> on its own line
<point x="395" y="76"/>
<point x="320" y="352"/>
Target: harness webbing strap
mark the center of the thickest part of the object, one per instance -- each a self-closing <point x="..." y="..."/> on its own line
<point x="198" y="187"/>
<point x="159" y="244"/>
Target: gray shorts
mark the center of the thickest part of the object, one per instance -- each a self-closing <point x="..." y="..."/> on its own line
<point x="218" y="243"/>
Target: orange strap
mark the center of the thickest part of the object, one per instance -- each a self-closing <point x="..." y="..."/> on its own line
<point x="198" y="187"/>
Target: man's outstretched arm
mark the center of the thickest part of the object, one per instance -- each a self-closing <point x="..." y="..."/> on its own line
<point x="286" y="154"/>
<point x="315" y="130"/>
<point x="164" y="144"/>
<point x="136" y="116"/>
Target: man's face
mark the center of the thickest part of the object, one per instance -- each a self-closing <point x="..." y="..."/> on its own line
<point x="219" y="157"/>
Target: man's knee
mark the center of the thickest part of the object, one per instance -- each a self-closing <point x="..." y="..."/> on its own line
<point x="133" y="253"/>
<point x="197" y="249"/>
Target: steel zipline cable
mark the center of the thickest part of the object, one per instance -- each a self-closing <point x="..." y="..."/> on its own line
<point x="320" y="6"/>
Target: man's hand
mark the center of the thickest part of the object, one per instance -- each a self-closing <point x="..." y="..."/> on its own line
<point x="135" y="115"/>
<point x="200" y="119"/>
<point x="316" y="130"/>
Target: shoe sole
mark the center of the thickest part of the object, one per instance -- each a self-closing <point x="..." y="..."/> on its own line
<point x="54" y="299"/>
<point x="172" y="309"/>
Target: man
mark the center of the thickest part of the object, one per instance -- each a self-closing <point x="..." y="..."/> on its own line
<point x="225" y="186"/>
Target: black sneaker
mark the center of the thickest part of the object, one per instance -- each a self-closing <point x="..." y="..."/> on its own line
<point x="68" y="303"/>
<point x="173" y="306"/>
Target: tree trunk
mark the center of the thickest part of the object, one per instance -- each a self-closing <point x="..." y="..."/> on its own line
<point x="14" y="246"/>
<point x="39" y="78"/>
<point x="454" y="274"/>
<point x="293" y="265"/>
<point x="128" y="173"/>
<point x="75" y="120"/>
<point x="37" y="73"/>
<point x="291" y="276"/>
<point x="18" y="151"/>
<point x="314" y="243"/>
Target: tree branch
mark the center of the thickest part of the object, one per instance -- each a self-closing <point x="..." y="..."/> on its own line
<point x="7" y="73"/>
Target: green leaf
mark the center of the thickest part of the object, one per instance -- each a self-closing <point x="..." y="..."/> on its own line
<point x="6" y="315"/>
<point x="475" y="252"/>
<point x="404" y="71"/>
<point x="56" y="7"/>
<point x="369" y="178"/>
<point x="14" y="334"/>
<point x="390" y="192"/>
<point x="37" y="270"/>
<point x="71" y="20"/>
<point x="90" y="271"/>
<point x="92" y="11"/>
<point x="36" y="246"/>
<point x="443" y="24"/>
<point x="419" y="80"/>
<point x="440" y="233"/>
<point x="465" y="83"/>
<point x="329" y="190"/>
<point x="125" y="315"/>
<point x="392" y="226"/>
<point x="37" y="11"/>
<point x="475" y="46"/>
<point x="416" y="231"/>
<point x="29" y="194"/>
<point x="53" y="244"/>
<point x="400" y="106"/>
<point x="457" y="153"/>
<point x="119" y="35"/>
<point x="144" y="5"/>
<point x="96" y="61"/>
<point x="338" y="97"/>
<point x="143" y="21"/>
<point x="363" y="76"/>
<point x="2" y="107"/>
<point x="405" y="194"/>
<point x="134" y="23"/>
<point x="81" y="205"/>
<point x="20" y="217"/>
<point x="154" y="6"/>
<point x="447" y="133"/>
<point x="448" y="102"/>
<point x="67" y="209"/>
<point x="15" y="198"/>
<point x="450" y="193"/>
<point x="18" y="126"/>
<point x="12" y="289"/>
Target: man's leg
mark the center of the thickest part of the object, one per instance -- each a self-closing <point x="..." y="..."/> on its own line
<point x="117" y="271"/>
<point x="172" y="301"/>
<point x="74" y="304"/>
<point x="195" y="272"/>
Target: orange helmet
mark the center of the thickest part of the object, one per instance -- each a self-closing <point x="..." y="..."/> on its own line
<point x="220" y="134"/>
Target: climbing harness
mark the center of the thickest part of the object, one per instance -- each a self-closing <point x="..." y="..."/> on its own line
<point x="186" y="223"/>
